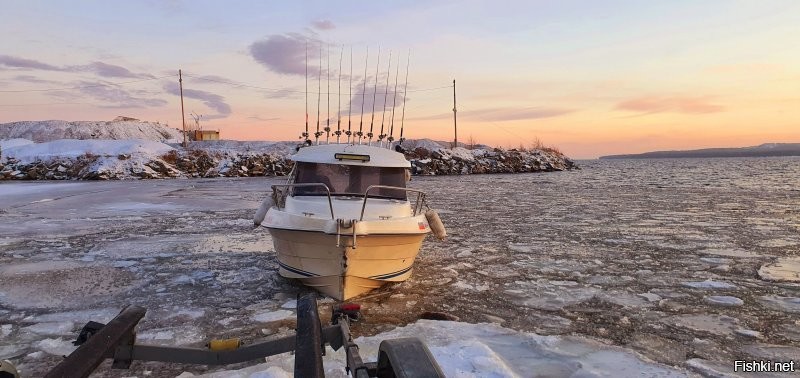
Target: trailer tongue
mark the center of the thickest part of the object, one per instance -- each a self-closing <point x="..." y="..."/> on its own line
<point x="406" y="357"/>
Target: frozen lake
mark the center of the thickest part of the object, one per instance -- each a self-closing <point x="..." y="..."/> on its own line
<point x="659" y="257"/>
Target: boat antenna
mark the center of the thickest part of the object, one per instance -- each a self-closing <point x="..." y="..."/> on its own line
<point x="385" y="95"/>
<point x="339" y="112"/>
<point x="405" y="92"/>
<point x="319" y="93"/>
<point x="374" y="95"/>
<point x="350" y="98"/>
<point x="328" y="76"/>
<point x="394" y="102"/>
<point x="305" y="134"/>
<point x="363" y="93"/>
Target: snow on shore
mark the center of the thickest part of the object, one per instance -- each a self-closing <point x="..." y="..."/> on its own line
<point x="127" y="148"/>
<point x="30" y="152"/>
<point x="120" y="128"/>
<point x="485" y="350"/>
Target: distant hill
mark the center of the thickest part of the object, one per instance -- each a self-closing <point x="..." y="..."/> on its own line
<point x="767" y="149"/>
<point x="119" y="128"/>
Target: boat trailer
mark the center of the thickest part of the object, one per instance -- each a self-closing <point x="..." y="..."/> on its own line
<point x="404" y="357"/>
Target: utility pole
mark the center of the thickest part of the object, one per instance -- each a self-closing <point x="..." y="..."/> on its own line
<point x="455" y="124"/>
<point x="183" y="116"/>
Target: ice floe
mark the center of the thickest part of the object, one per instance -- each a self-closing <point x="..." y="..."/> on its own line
<point x="715" y="324"/>
<point x="51" y="328"/>
<point x="784" y="269"/>
<point x="724" y="301"/>
<point x="180" y="335"/>
<point x="709" y="285"/>
<point x="486" y="350"/>
<point x="730" y="253"/>
<point x="272" y="316"/>
<point x="777" y="302"/>
<point x="550" y="295"/>
<point x="57" y="347"/>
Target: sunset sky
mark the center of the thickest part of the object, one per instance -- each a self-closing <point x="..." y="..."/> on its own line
<point x="590" y="77"/>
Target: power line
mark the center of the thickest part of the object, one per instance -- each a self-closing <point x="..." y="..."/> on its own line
<point x="84" y="86"/>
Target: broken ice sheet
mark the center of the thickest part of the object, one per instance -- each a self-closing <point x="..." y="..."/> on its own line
<point x="720" y="325"/>
<point x="777" y="302"/>
<point x="549" y="295"/>
<point x="784" y="270"/>
<point x="272" y="316"/>
<point x="709" y="285"/>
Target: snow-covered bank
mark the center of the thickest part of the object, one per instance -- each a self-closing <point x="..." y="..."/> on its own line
<point x="94" y="159"/>
<point x="119" y="128"/>
<point x="460" y="161"/>
<point x="70" y="159"/>
<point x="485" y="350"/>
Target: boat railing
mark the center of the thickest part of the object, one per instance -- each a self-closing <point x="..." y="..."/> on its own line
<point x="417" y="204"/>
<point x="280" y="198"/>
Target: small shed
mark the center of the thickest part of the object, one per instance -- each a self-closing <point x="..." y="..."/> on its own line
<point x="201" y="135"/>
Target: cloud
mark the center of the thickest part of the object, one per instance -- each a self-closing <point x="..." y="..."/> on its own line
<point x="212" y="78"/>
<point x="99" y="68"/>
<point x="670" y="104"/>
<point x="34" y="79"/>
<point x="501" y="114"/>
<point x="16" y="62"/>
<point x="110" y="70"/>
<point x="111" y="96"/>
<point x="260" y="118"/>
<point x="211" y="100"/>
<point x="323" y="25"/>
<point x="286" y="93"/>
<point x="380" y="104"/>
<point x="286" y="53"/>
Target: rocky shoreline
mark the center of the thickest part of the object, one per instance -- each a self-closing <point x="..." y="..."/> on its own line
<point x="199" y="162"/>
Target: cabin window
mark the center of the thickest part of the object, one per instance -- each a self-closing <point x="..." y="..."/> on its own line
<point x="350" y="180"/>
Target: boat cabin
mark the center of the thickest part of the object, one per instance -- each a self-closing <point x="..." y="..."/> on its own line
<point x="349" y="170"/>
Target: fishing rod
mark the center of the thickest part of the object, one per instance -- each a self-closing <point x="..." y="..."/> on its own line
<point x="394" y="102"/>
<point x="319" y="94"/>
<point x="328" y="76"/>
<point x="339" y="112"/>
<point x="305" y="134"/>
<point x="350" y="97"/>
<point x="385" y="94"/>
<point x="363" y="93"/>
<point x="405" y="91"/>
<point x="374" y="95"/>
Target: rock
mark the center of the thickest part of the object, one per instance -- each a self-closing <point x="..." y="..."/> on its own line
<point x="202" y="163"/>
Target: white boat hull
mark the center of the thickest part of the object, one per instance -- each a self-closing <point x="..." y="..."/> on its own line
<point x="343" y="271"/>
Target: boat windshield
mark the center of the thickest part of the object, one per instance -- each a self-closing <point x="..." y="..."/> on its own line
<point x="350" y="180"/>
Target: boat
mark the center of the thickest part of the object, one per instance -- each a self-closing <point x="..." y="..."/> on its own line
<point x="344" y="223"/>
